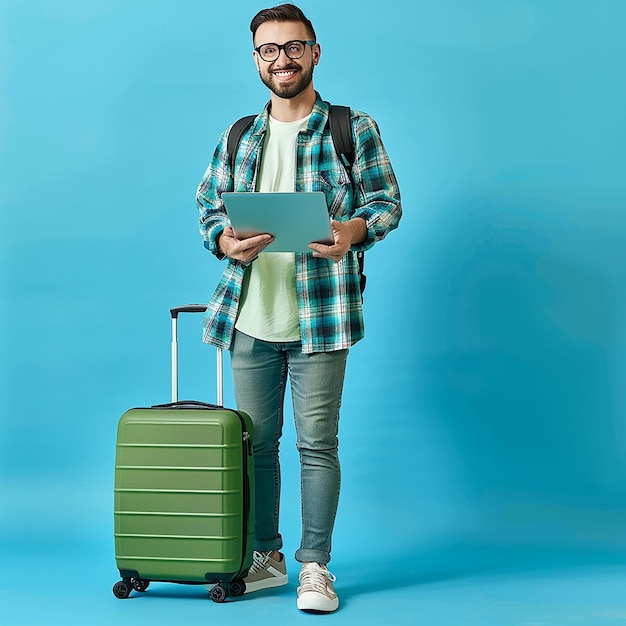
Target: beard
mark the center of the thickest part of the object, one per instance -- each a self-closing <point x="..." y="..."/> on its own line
<point x="291" y="89"/>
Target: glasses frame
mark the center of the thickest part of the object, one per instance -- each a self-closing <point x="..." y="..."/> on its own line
<point x="283" y="47"/>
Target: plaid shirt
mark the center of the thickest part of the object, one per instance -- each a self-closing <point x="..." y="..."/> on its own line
<point x="329" y="297"/>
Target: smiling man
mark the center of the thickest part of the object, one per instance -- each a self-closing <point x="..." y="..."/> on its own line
<point x="294" y="316"/>
<point x="287" y="79"/>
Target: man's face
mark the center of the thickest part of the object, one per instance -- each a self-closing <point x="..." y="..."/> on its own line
<point x="285" y="77"/>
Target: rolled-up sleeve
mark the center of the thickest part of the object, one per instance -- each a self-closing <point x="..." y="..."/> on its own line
<point x="377" y="193"/>
<point x="217" y="179"/>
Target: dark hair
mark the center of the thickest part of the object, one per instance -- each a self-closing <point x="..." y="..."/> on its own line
<point x="282" y="13"/>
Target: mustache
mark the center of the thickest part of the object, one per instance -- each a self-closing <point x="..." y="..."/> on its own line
<point x="284" y="68"/>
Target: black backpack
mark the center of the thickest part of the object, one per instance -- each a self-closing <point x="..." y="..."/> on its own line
<point x="341" y="131"/>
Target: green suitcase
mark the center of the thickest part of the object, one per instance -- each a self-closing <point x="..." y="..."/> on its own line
<point x="184" y="483"/>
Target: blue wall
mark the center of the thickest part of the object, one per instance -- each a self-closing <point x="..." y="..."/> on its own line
<point x="490" y="385"/>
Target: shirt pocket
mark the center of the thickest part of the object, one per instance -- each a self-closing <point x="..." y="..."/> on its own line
<point x="338" y="192"/>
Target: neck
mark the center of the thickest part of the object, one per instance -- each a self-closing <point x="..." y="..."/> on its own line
<point x="292" y="109"/>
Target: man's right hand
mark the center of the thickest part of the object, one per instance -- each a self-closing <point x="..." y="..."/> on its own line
<point x="244" y="250"/>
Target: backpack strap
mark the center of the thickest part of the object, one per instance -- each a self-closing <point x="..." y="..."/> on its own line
<point x="341" y="132"/>
<point x="235" y="134"/>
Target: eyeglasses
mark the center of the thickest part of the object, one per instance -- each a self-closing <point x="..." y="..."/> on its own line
<point x="293" y="49"/>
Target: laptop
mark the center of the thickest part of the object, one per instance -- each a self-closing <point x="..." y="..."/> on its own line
<point x="294" y="219"/>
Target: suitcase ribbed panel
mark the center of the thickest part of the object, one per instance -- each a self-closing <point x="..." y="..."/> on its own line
<point x="179" y="495"/>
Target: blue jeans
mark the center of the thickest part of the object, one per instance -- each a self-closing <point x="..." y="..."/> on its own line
<point x="260" y="372"/>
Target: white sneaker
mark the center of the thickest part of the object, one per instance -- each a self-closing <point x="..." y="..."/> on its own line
<point x="316" y="591"/>
<point x="266" y="572"/>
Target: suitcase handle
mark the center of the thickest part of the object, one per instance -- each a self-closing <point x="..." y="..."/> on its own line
<point x="187" y="308"/>
<point x="193" y="308"/>
<point x="184" y="404"/>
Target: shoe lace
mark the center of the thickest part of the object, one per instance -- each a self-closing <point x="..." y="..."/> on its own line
<point x="259" y="561"/>
<point x="314" y="578"/>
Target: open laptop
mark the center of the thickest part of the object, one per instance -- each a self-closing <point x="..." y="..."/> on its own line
<point x="294" y="219"/>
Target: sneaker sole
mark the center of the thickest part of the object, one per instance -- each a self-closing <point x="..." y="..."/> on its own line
<point x="317" y="602"/>
<point x="270" y="583"/>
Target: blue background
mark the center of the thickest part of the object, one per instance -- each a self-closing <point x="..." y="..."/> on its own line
<point x="484" y="421"/>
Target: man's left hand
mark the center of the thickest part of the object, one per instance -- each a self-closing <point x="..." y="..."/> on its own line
<point x="345" y="235"/>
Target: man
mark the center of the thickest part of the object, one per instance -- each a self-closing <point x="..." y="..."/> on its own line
<point x="285" y="315"/>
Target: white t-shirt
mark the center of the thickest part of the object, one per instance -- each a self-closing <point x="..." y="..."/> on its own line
<point x="268" y="308"/>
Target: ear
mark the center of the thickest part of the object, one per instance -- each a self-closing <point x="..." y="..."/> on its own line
<point x="317" y="53"/>
<point x="255" y="56"/>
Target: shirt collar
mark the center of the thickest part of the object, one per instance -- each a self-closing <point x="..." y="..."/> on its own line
<point x="317" y="121"/>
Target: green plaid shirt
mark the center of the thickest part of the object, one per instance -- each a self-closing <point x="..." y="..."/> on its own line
<point x="329" y="298"/>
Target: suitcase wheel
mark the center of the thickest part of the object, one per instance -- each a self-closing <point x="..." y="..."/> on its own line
<point x="218" y="594"/>
<point x="237" y="588"/>
<point x="122" y="589"/>
<point x="139" y="584"/>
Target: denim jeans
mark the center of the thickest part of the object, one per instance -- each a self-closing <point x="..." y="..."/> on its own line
<point x="260" y="373"/>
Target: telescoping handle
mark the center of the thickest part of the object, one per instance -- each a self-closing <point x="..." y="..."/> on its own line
<point x="193" y="308"/>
